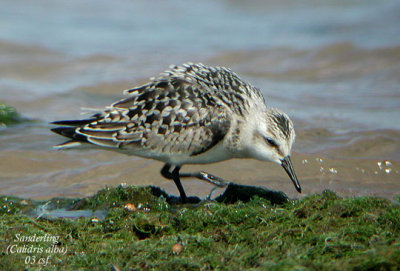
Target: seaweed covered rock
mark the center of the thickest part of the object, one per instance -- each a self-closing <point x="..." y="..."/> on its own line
<point x="8" y="115"/>
<point x="236" y="192"/>
<point x="140" y="229"/>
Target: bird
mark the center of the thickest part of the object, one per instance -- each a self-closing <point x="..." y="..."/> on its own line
<point x="189" y="114"/>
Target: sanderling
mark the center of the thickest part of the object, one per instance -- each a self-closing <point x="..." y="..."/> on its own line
<point x="190" y="114"/>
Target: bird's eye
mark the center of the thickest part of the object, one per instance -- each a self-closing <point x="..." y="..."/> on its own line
<point x="271" y="142"/>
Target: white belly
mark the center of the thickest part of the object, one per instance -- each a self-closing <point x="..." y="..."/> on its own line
<point x="215" y="154"/>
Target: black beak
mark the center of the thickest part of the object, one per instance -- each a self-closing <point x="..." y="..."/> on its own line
<point x="287" y="165"/>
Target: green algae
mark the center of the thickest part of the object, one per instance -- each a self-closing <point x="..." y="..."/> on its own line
<point x="318" y="232"/>
<point x="8" y="115"/>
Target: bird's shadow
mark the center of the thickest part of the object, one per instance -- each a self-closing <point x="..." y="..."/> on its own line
<point x="233" y="193"/>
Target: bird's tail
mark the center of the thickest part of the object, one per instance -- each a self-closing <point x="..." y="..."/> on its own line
<point x="68" y="129"/>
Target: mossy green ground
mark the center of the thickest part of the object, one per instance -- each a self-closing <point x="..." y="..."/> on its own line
<point x="319" y="232"/>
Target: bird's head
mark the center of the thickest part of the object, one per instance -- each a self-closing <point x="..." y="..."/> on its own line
<point x="272" y="140"/>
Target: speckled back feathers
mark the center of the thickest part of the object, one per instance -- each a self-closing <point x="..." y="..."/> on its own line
<point x="187" y="109"/>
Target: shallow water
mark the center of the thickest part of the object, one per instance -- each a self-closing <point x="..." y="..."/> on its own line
<point x="334" y="68"/>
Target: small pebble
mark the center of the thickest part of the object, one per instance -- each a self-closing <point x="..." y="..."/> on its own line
<point x="95" y="220"/>
<point x="177" y="248"/>
<point x="130" y="207"/>
<point x="24" y="202"/>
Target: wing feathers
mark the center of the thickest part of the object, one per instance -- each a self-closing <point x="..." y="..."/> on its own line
<point x="96" y="133"/>
<point x="103" y="142"/>
<point x="173" y="113"/>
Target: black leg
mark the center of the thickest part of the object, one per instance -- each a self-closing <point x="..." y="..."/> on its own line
<point x="204" y="176"/>
<point x="177" y="181"/>
<point x="165" y="171"/>
<point x="217" y="181"/>
<point x="174" y="175"/>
